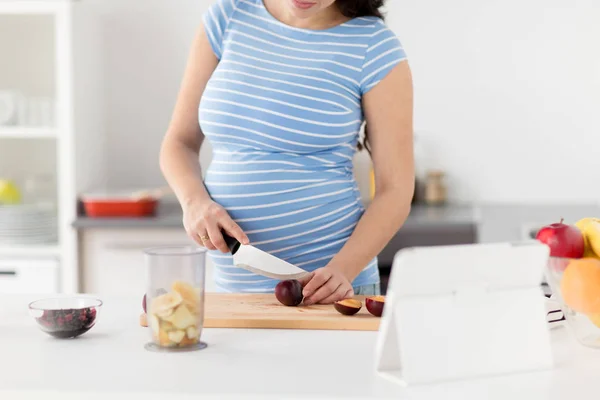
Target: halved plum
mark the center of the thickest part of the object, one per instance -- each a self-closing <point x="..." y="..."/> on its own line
<point x="348" y="306"/>
<point x="375" y="305"/>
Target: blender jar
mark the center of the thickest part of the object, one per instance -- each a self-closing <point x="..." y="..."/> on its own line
<point x="175" y="297"/>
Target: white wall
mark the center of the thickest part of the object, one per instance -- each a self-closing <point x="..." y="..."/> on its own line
<point x="507" y="92"/>
<point x="145" y="45"/>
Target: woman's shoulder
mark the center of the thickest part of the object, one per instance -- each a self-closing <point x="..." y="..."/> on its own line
<point x="217" y="18"/>
<point x="367" y="22"/>
<point x="370" y="24"/>
<point x="375" y="33"/>
<point x="376" y="26"/>
<point x="384" y="51"/>
<point x="224" y="9"/>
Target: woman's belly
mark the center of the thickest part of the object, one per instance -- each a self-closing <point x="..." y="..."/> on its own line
<point x="297" y="210"/>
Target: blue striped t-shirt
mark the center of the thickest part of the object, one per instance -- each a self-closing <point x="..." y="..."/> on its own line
<point x="282" y="112"/>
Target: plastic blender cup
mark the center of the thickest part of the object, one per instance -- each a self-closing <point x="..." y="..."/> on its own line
<point x="175" y="297"/>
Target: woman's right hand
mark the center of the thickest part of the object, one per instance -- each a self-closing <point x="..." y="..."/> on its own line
<point x="203" y="222"/>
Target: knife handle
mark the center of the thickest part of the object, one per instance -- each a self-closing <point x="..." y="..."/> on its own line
<point x="232" y="243"/>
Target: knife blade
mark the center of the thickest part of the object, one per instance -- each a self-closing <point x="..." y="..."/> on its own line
<point x="260" y="262"/>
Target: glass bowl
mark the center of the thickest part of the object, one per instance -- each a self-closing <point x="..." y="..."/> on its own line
<point x="585" y="327"/>
<point x="67" y="317"/>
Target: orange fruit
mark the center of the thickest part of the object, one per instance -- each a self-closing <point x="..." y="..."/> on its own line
<point x="580" y="285"/>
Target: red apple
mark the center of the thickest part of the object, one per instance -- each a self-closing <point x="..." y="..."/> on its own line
<point x="564" y="240"/>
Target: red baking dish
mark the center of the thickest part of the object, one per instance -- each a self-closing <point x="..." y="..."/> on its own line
<point x="118" y="205"/>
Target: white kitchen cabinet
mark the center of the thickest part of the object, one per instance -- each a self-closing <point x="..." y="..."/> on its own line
<point x="50" y="72"/>
<point x="112" y="260"/>
<point x="28" y="276"/>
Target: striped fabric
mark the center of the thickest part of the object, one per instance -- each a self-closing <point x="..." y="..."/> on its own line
<point x="282" y="112"/>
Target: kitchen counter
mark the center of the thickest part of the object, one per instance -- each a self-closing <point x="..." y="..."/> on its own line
<point x="110" y="362"/>
<point x="513" y="222"/>
<point x="493" y="222"/>
<point x="169" y="215"/>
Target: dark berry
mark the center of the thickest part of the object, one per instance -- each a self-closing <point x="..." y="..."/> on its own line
<point x="68" y="323"/>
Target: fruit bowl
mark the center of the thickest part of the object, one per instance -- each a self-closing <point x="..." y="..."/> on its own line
<point x="575" y="285"/>
<point x="67" y="317"/>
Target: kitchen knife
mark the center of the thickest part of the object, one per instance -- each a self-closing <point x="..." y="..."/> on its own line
<point x="260" y="262"/>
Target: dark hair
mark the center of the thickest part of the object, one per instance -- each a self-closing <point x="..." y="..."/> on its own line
<point x="360" y="8"/>
<point x="355" y="9"/>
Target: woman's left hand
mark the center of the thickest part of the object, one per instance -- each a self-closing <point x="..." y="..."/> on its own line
<point x="326" y="286"/>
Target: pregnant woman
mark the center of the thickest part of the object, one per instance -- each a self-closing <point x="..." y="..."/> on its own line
<point x="281" y="89"/>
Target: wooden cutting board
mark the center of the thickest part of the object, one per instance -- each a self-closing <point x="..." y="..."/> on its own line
<point x="263" y="311"/>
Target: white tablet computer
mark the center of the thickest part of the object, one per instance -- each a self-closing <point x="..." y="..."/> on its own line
<point x="464" y="311"/>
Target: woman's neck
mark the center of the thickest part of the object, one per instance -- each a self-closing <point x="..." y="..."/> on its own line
<point x="324" y="19"/>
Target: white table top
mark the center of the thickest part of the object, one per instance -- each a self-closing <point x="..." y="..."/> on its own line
<point x="111" y="362"/>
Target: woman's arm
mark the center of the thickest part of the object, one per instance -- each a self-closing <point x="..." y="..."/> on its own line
<point x="388" y="109"/>
<point x="180" y="150"/>
<point x="181" y="145"/>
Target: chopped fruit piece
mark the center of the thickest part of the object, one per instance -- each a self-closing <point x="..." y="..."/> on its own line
<point x="154" y="323"/>
<point x="192" y="307"/>
<point x="163" y="339"/>
<point x="188" y="342"/>
<point x="182" y="318"/>
<point x="375" y="305"/>
<point x="176" y="336"/>
<point x="163" y="305"/>
<point x="348" y="306"/>
<point x="167" y="326"/>
<point x="165" y="314"/>
<point x="175" y="317"/>
<point x="191" y="297"/>
<point x="192" y="332"/>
